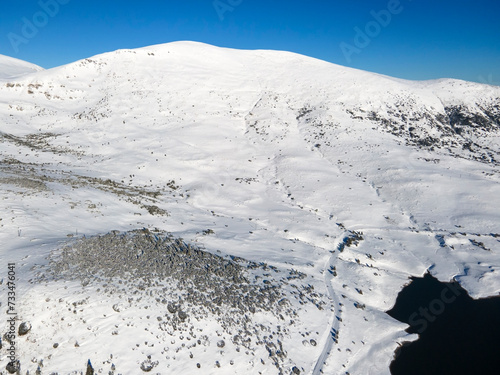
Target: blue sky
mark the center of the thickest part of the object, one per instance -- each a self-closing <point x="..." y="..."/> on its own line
<point x="413" y="39"/>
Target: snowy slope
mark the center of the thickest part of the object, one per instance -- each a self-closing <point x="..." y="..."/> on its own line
<point x="12" y="67"/>
<point x="351" y="180"/>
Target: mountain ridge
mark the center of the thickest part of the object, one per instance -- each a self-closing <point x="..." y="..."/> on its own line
<point x="444" y="107"/>
<point x="346" y="182"/>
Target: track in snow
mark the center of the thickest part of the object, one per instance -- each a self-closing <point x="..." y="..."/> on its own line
<point x="334" y="325"/>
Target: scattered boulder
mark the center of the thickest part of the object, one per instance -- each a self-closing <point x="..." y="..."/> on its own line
<point x="182" y="315"/>
<point x="90" y="369"/>
<point x="148" y="365"/>
<point x="171" y="308"/>
<point x="13" y="367"/>
<point x="24" y="328"/>
<point x="221" y="343"/>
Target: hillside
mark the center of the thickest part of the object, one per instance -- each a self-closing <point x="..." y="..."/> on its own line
<point x="319" y="187"/>
<point x="12" y="67"/>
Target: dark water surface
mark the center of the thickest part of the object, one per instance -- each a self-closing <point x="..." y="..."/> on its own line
<point x="458" y="335"/>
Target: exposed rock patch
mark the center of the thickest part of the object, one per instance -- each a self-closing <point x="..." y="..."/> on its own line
<point x="190" y="285"/>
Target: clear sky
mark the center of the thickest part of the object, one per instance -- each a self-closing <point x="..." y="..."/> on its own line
<point x="413" y="39"/>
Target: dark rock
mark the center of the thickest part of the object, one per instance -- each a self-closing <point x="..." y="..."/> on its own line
<point x="24" y="328"/>
<point x="90" y="369"/>
<point x="13" y="367"/>
<point x="171" y="308"/>
<point x="148" y="365"/>
<point x="221" y="343"/>
<point x="182" y="315"/>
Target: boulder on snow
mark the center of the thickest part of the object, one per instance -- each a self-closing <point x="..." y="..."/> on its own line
<point x="24" y="328"/>
<point x="13" y="367"/>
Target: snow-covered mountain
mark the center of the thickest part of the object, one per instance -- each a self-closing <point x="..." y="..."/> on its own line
<point x="319" y="188"/>
<point x="11" y="67"/>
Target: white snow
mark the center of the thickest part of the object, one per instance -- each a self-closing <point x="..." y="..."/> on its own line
<point x="262" y="150"/>
<point x="11" y="67"/>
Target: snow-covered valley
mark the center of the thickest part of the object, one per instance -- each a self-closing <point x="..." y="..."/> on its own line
<point x="319" y="188"/>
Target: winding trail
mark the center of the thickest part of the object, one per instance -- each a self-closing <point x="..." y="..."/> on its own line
<point x="334" y="324"/>
<point x="329" y="337"/>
